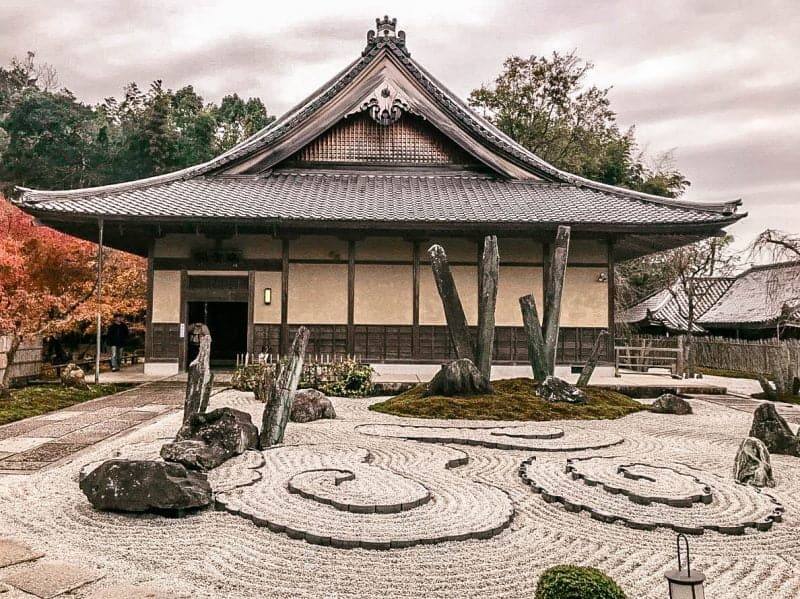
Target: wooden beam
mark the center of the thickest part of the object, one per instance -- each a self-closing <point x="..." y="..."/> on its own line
<point x="351" y="296"/>
<point x="453" y="310"/>
<point x="488" y="274"/>
<point x="588" y="368"/>
<point x="282" y="390"/>
<point x="284" y="338"/>
<point x="553" y="293"/>
<point x="537" y="353"/>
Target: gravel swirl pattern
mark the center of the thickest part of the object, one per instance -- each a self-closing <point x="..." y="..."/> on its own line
<point x="524" y="437"/>
<point x="356" y="504"/>
<point x="214" y="554"/>
<point x="649" y="496"/>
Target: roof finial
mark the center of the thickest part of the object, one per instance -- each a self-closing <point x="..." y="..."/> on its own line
<point x="386" y="32"/>
<point x="386" y="26"/>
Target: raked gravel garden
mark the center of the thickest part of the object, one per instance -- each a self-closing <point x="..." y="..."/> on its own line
<point x="373" y="505"/>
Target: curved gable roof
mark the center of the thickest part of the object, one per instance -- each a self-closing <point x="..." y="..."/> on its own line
<point x="384" y="56"/>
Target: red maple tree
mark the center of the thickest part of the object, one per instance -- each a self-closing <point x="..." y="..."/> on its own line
<point x="48" y="281"/>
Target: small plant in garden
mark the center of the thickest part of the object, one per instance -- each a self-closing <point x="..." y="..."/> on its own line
<point x="344" y="378"/>
<point x="576" y="582"/>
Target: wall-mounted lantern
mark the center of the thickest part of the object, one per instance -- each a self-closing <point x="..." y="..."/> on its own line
<point x="685" y="584"/>
<point x="267" y="296"/>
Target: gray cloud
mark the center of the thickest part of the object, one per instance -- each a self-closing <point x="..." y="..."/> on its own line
<point x="716" y="80"/>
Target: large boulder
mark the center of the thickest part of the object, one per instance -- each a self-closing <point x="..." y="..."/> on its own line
<point x="459" y="377"/>
<point x="145" y="486"/>
<point x="555" y="389"/>
<point x="752" y="465"/>
<point x="770" y="427"/>
<point x="72" y="375"/>
<point x="225" y="432"/>
<point x="309" y="405"/>
<point x="671" y="404"/>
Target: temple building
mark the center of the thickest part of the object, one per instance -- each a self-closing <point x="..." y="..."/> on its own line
<point x="324" y="219"/>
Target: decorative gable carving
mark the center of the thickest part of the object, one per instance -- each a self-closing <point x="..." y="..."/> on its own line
<point x="385" y="104"/>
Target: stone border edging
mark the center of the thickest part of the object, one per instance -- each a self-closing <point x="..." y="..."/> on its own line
<point x="760" y="525"/>
<point x="488" y="445"/>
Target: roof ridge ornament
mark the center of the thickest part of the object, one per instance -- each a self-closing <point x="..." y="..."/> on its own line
<point x="385" y="33"/>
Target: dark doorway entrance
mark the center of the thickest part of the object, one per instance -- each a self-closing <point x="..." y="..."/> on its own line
<point x="227" y="322"/>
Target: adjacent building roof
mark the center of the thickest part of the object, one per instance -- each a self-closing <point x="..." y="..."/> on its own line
<point x="669" y="308"/>
<point x="759" y="298"/>
<point x="517" y="188"/>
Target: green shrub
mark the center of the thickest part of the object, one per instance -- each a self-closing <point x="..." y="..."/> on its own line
<point x="576" y="582"/>
<point x="345" y="378"/>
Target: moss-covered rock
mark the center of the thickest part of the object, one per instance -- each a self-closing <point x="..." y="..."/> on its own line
<point x="576" y="582"/>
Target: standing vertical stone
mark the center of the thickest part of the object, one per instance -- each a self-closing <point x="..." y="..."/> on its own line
<point x="537" y="353"/>
<point x="553" y="292"/>
<point x="752" y="466"/>
<point x="453" y="310"/>
<point x="487" y="299"/>
<point x="200" y="378"/>
<point x="591" y="363"/>
<point x="279" y="400"/>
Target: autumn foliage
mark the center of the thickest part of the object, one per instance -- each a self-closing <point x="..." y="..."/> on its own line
<point x="47" y="279"/>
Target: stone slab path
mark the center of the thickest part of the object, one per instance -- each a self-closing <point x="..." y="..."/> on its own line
<point x="35" y="443"/>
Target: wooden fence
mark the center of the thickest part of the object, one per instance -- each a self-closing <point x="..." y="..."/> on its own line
<point x="752" y="356"/>
<point x="755" y="356"/>
<point x="27" y="361"/>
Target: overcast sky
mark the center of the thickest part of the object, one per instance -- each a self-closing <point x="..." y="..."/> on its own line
<point x="718" y="81"/>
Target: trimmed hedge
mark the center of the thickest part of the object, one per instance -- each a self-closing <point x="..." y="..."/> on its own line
<point x="576" y="582"/>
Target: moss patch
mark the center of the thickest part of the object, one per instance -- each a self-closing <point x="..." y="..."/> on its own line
<point x="785" y="398"/>
<point x="40" y="399"/>
<point x="513" y="399"/>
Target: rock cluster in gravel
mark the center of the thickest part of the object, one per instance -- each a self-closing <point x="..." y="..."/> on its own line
<point x="207" y="440"/>
<point x="309" y="405"/>
<point x="671" y="404"/>
<point x="555" y="389"/>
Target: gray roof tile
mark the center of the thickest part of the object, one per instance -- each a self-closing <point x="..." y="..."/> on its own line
<point x="311" y="196"/>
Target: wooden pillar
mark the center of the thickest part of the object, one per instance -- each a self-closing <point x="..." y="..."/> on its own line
<point x="284" y="338"/>
<point x="148" y="337"/>
<point x="612" y="292"/>
<point x="415" y="349"/>
<point x="99" y="335"/>
<point x="182" y="341"/>
<point x="351" y="296"/>
<point x="546" y="257"/>
<point x="251" y="306"/>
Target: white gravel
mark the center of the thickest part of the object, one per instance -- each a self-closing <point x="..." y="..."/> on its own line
<point x="219" y="554"/>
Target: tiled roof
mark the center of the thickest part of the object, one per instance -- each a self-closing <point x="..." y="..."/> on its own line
<point x="762" y="295"/>
<point x="568" y="199"/>
<point x="670" y="307"/>
<point x="315" y="196"/>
